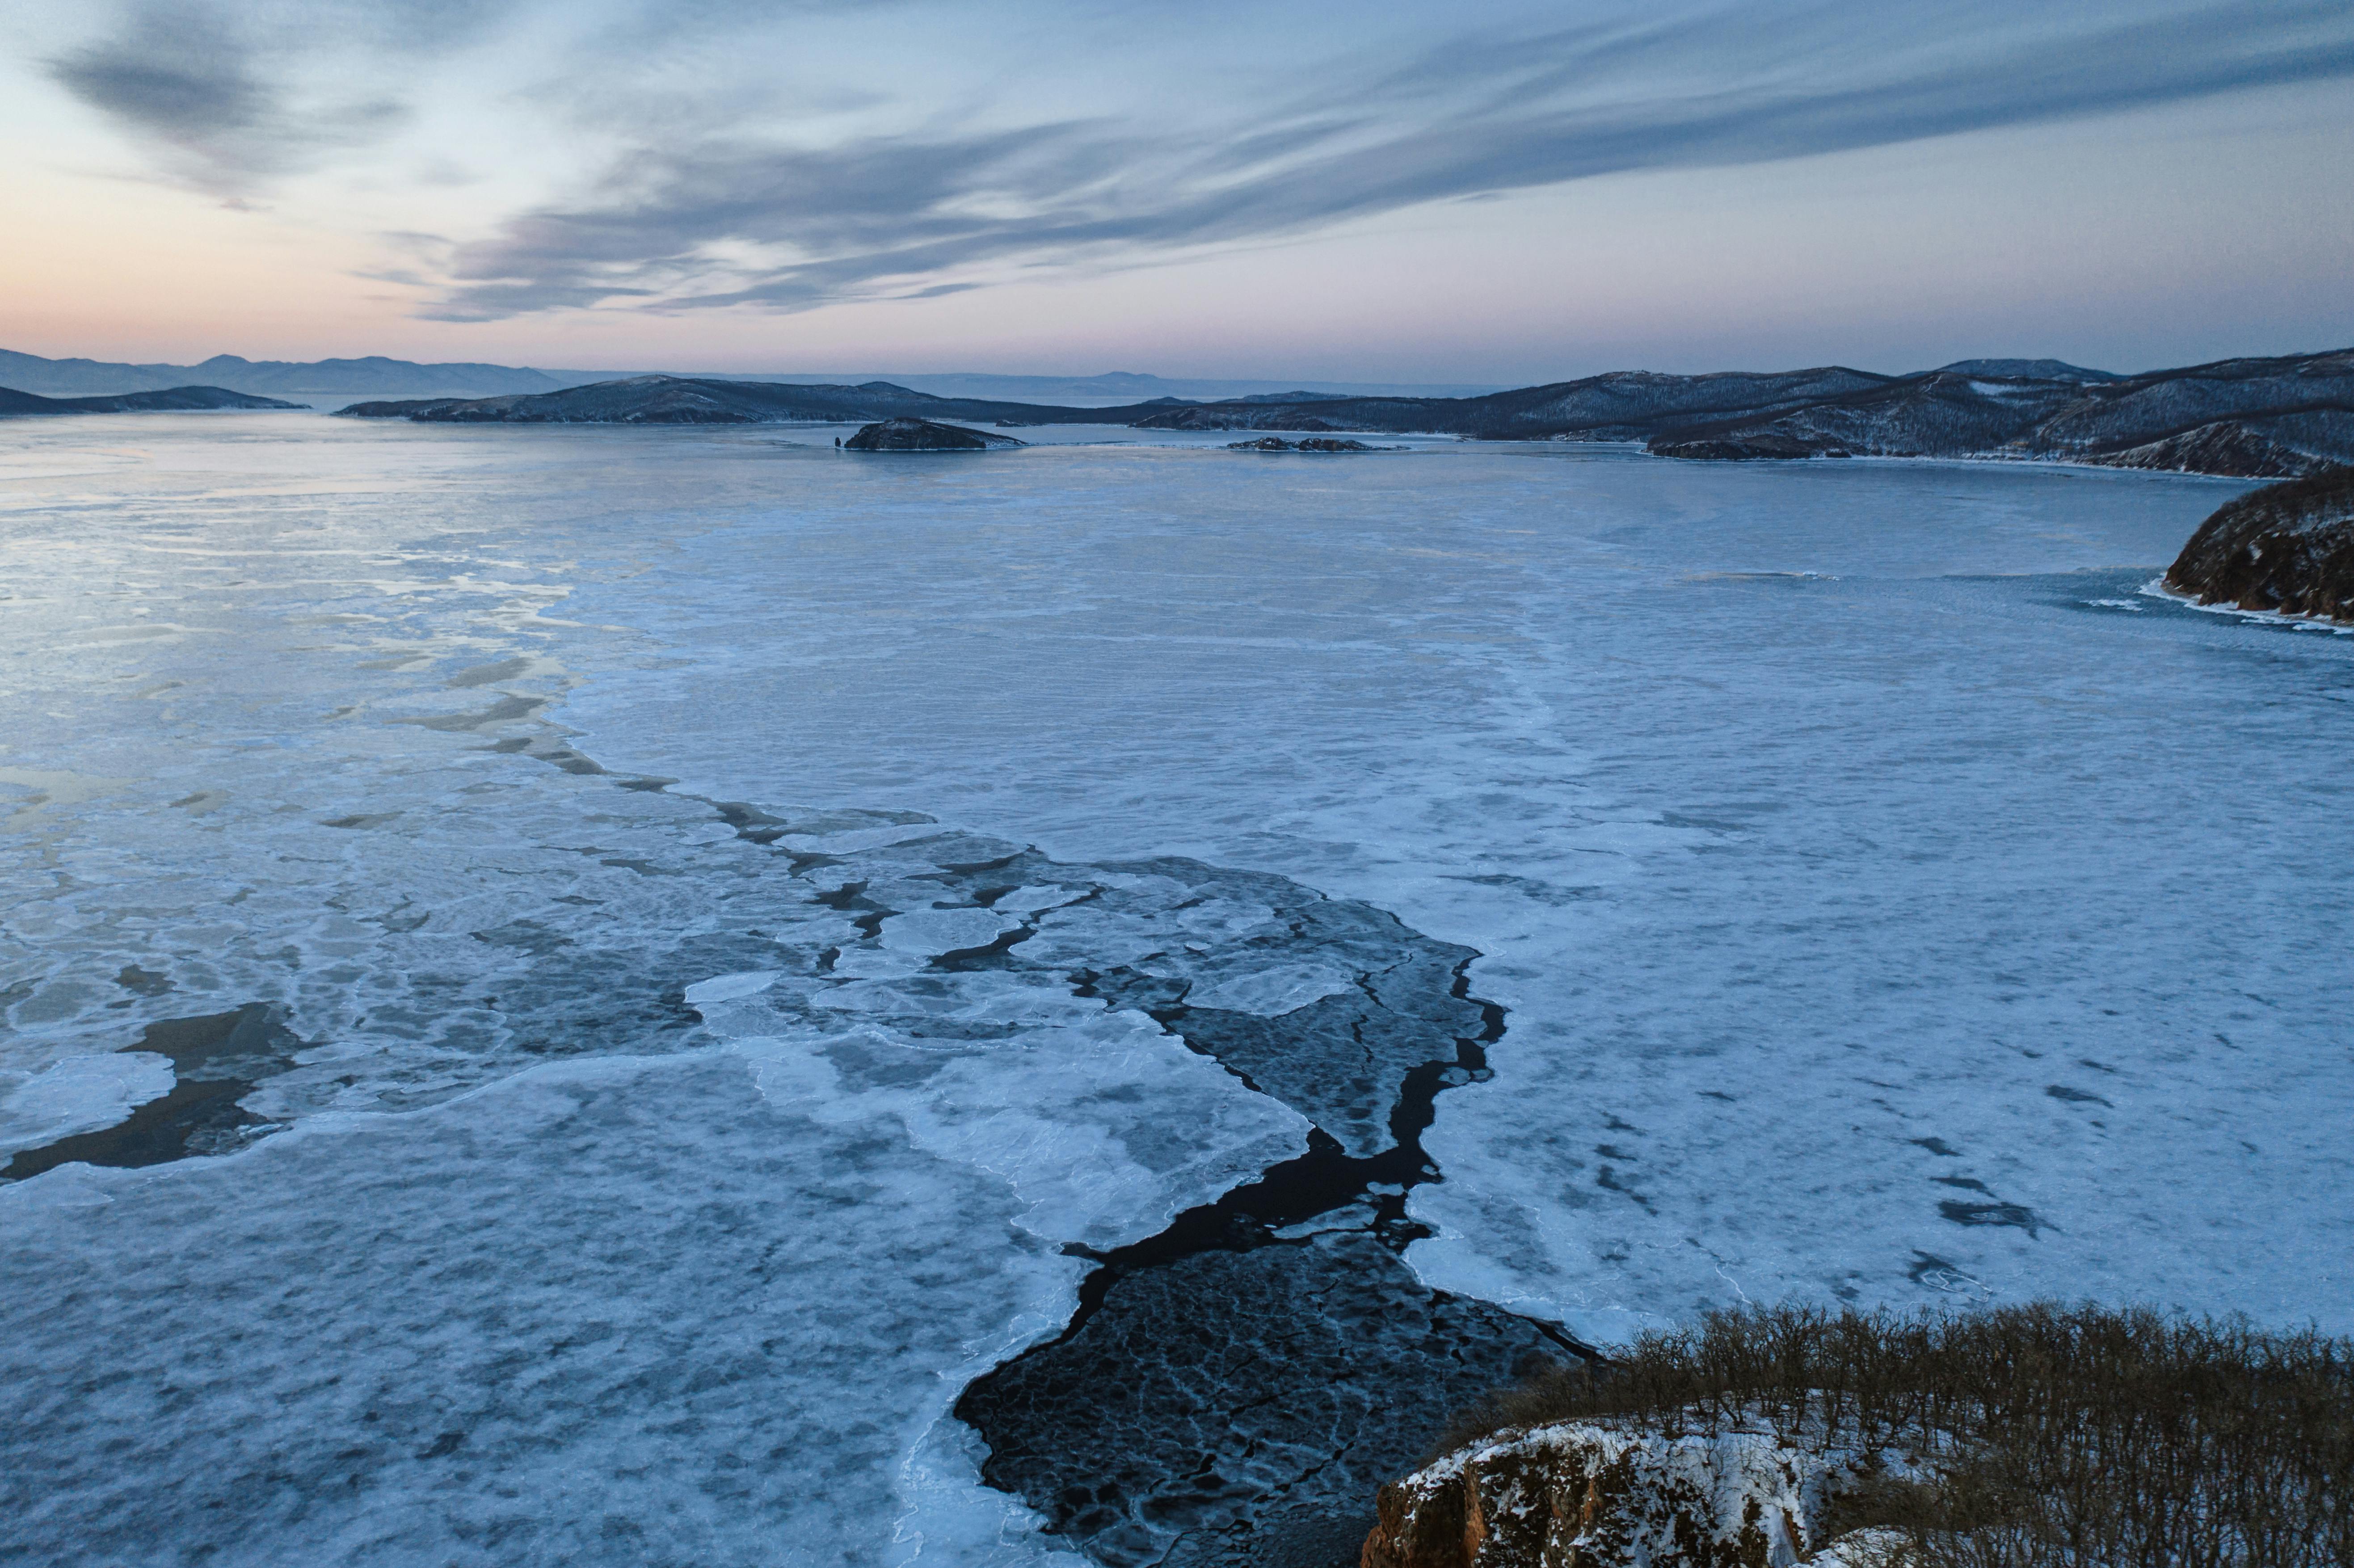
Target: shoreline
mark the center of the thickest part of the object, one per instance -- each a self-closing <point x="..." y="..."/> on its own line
<point x="2156" y="588"/>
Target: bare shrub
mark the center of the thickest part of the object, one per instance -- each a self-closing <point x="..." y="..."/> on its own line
<point x="2041" y="1437"/>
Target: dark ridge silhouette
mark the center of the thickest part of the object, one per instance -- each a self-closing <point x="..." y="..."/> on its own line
<point x="2247" y="417"/>
<point x="172" y="400"/>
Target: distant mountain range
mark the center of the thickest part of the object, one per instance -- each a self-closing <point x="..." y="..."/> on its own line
<point x="1117" y="388"/>
<point x="376" y="376"/>
<point x="2254" y="418"/>
<point x="704" y="400"/>
<point x="270" y="377"/>
<point x="694" y="400"/>
<point x="2274" y="417"/>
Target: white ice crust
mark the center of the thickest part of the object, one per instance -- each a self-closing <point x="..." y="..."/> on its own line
<point x="1271" y="992"/>
<point x="600" y="1311"/>
<point x="81" y="1094"/>
<point x="1878" y="920"/>
<point x="929" y="933"/>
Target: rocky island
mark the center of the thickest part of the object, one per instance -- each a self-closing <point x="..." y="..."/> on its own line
<point x="2286" y="547"/>
<point x="911" y="435"/>
<point x="1307" y="444"/>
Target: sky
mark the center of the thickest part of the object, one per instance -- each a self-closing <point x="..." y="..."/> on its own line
<point x="1505" y="193"/>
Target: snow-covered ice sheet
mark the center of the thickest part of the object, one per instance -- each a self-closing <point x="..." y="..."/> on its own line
<point x="1811" y="822"/>
<point x="1883" y="915"/>
<point x="603" y="1312"/>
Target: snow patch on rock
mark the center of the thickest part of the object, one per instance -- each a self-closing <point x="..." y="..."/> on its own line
<point x="1593" y="1493"/>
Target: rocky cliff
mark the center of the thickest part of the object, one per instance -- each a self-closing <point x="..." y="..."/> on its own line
<point x="1589" y="1495"/>
<point x="2286" y="547"/>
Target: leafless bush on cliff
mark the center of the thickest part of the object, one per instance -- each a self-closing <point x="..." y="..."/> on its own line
<point x="2051" y="1437"/>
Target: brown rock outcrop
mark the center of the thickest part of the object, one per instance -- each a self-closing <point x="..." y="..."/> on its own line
<point x="2286" y="547"/>
<point x="1586" y="1495"/>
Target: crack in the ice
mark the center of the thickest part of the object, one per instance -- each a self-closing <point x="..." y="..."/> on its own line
<point x="1244" y="1221"/>
<point x="1406" y="1351"/>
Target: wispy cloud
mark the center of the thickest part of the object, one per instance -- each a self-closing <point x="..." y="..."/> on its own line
<point x="776" y="176"/>
<point x="732" y="221"/>
<point x="230" y="95"/>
